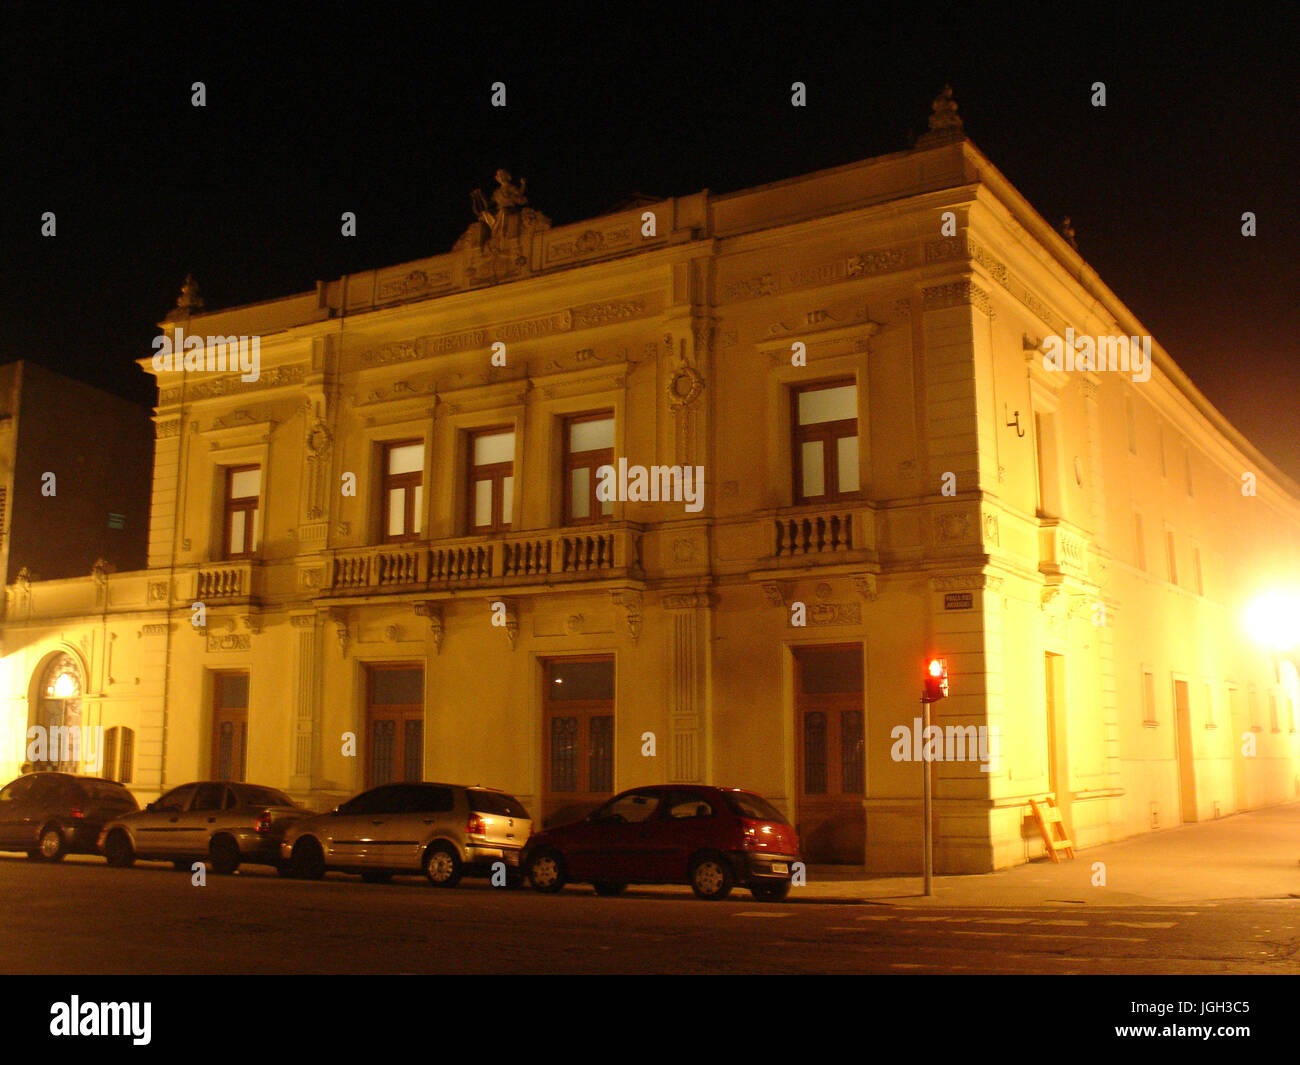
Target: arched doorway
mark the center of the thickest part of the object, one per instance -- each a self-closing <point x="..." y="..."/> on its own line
<point x="58" y="715"/>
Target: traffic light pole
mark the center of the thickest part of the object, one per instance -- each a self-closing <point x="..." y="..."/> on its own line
<point x="929" y="799"/>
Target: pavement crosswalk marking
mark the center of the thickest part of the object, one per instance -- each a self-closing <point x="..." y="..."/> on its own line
<point x="1050" y="935"/>
<point x="1142" y="924"/>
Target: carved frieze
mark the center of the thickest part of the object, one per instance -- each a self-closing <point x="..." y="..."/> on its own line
<point x="229" y="642"/>
<point x="956" y="294"/>
<point x="232" y="384"/>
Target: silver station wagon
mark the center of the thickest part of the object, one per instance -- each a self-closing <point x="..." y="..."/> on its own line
<point x="221" y="822"/>
<point x="442" y="830"/>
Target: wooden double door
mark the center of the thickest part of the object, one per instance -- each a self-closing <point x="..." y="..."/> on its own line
<point x="831" y="753"/>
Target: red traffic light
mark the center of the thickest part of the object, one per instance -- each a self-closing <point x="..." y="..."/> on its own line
<point x="936" y="680"/>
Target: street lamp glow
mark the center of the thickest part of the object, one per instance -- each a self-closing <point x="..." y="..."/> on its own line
<point x="1273" y="619"/>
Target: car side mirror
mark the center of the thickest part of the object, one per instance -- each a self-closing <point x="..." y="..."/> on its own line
<point x="151" y="807"/>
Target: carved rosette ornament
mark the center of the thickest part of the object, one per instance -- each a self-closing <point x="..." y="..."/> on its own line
<point x="684" y="387"/>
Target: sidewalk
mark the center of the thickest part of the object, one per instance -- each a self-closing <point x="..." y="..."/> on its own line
<point x="1252" y="855"/>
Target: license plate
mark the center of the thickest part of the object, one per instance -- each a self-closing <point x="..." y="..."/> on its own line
<point x="780" y="867"/>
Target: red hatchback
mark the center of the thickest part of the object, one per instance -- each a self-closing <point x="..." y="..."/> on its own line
<point x="710" y="838"/>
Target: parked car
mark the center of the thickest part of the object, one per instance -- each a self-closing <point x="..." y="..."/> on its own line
<point x="444" y="830"/>
<point x="225" y="823"/>
<point x="48" y="815"/>
<point x="710" y="838"/>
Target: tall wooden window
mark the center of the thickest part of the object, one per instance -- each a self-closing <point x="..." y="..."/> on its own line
<point x="394" y="724"/>
<point x="229" y="726"/>
<point x="119" y="753"/>
<point x="242" y="532"/>
<point x="824" y="418"/>
<point x="402" y="492"/>
<point x="588" y="445"/>
<point x="491" y="481"/>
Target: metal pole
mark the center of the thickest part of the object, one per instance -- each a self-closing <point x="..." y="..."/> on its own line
<point x="926" y="791"/>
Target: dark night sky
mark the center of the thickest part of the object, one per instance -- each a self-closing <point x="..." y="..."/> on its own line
<point x="383" y="109"/>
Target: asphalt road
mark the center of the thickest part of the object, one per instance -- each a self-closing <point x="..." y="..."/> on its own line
<point x="80" y="916"/>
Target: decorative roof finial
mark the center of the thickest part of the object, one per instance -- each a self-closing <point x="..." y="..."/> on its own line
<point x="1067" y="231"/>
<point x="189" y="299"/>
<point x="943" y="113"/>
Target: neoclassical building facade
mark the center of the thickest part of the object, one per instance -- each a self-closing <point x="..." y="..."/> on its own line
<point x="691" y="492"/>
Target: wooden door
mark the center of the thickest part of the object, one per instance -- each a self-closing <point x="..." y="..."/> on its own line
<point x="578" y="736"/>
<point x="831" y="753"/>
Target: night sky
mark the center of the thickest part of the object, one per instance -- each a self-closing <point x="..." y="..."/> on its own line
<point x="383" y="109"/>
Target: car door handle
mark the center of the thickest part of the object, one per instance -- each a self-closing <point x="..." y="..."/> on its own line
<point x="211" y="819"/>
<point x="173" y="820"/>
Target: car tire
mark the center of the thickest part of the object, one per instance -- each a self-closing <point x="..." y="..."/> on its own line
<point x="770" y="892"/>
<point x="442" y="866"/>
<point x="52" y="844"/>
<point x="546" y="871"/>
<point x="308" y="860"/>
<point x="376" y="876"/>
<point x="223" y="853"/>
<point x="608" y="888"/>
<point x="711" y="877"/>
<point x="118" y="850"/>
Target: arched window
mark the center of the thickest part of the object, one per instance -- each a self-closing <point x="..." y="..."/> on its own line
<point x="58" y="714"/>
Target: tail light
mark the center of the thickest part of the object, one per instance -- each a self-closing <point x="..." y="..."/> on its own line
<point x="263" y="822"/>
<point x="476" y="827"/>
<point x="77" y="812"/>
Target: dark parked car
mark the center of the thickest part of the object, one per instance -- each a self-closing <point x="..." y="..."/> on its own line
<point x="710" y="838"/>
<point x="221" y="822"/>
<point x="444" y="830"/>
<point x="48" y="815"/>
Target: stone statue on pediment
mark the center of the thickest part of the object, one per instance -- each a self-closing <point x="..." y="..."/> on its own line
<point x="501" y="230"/>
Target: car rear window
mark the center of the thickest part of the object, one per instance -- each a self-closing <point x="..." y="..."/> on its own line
<point x="254" y="796"/>
<point x="496" y="802"/>
<point x="743" y="804"/>
<point x="106" y="789"/>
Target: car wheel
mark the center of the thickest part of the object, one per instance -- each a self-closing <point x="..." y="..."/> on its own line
<point x="308" y="860"/>
<point x="608" y="887"/>
<point x="442" y="866"/>
<point x="711" y="877"/>
<point x="376" y="876"/>
<point x="118" y="850"/>
<point x="770" y="892"/>
<point x="546" y="872"/>
<point x="223" y="852"/>
<point x="53" y="845"/>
